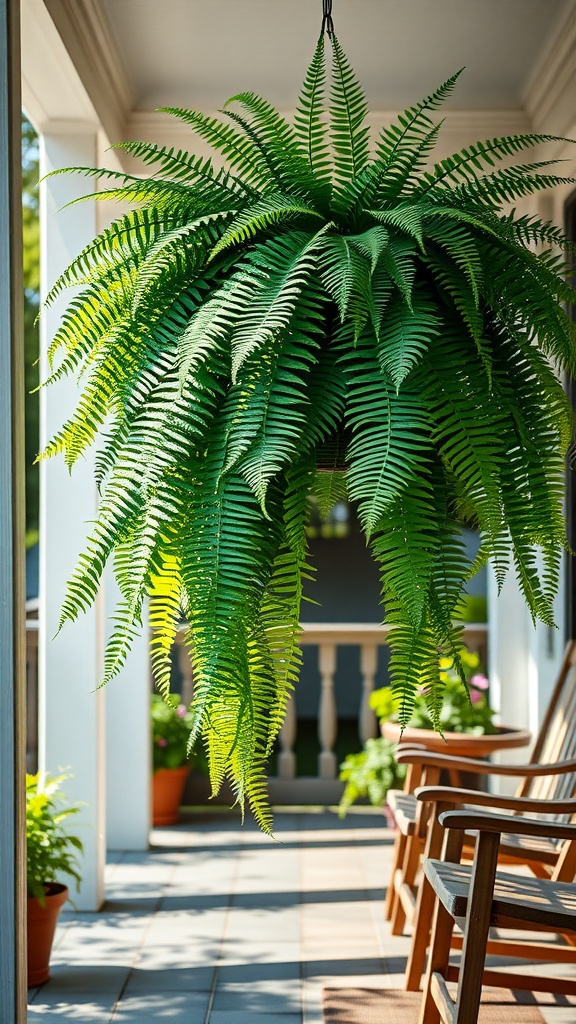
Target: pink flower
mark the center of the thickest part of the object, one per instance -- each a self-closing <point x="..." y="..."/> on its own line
<point x="480" y="682"/>
<point x="161" y="742"/>
<point x="181" y="711"/>
<point x="475" y="696"/>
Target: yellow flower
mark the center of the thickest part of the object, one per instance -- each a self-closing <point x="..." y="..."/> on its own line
<point x="470" y="659"/>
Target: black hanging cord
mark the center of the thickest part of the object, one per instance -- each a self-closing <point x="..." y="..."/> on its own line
<point x="327" y="23"/>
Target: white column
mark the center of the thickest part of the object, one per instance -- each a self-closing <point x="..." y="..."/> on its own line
<point x="367" y="724"/>
<point x="287" y="739"/>
<point x="327" y="712"/>
<point x="71" y="709"/>
<point x="511" y="665"/>
<point x="548" y="648"/>
<point x="523" y="659"/>
<point x="128" y="751"/>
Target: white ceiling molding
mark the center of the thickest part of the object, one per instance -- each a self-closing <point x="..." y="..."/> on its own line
<point x="84" y="29"/>
<point x="69" y="126"/>
<point x="459" y="129"/>
<point x="550" y="97"/>
<point x="52" y="91"/>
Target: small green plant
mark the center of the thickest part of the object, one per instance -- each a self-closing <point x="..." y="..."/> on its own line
<point x="370" y="773"/>
<point x="464" y="709"/>
<point x="52" y="850"/>
<point x="172" y="724"/>
<point x="374" y="770"/>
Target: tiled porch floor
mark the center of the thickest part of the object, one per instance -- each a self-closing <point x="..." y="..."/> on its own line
<point x="217" y="924"/>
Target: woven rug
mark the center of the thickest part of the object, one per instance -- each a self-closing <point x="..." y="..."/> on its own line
<point x="390" y="1006"/>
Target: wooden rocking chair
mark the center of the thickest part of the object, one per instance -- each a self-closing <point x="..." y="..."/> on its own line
<point x="477" y="898"/>
<point x="551" y="776"/>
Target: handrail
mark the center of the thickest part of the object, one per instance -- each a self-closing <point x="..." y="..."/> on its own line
<point x="364" y="632"/>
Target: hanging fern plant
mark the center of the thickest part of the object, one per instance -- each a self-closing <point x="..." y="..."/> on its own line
<point x="237" y="320"/>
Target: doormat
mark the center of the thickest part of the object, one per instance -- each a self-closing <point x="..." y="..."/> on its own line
<point x="391" y="1006"/>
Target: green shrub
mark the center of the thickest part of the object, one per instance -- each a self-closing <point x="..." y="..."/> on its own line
<point x="463" y="708"/>
<point x="370" y="773"/>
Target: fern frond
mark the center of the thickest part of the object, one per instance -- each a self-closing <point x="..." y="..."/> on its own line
<point x="309" y="122"/>
<point x="234" y="146"/>
<point x="405" y="336"/>
<point x="348" y="130"/>
<point x="401" y="149"/>
<point x="278" y="140"/>
<point x="466" y="164"/>
<point x="267" y="212"/>
<point x="390" y="444"/>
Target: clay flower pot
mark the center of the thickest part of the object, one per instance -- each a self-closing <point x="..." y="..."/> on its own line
<point x="167" y="789"/>
<point x="42" y="921"/>
<point x="459" y="744"/>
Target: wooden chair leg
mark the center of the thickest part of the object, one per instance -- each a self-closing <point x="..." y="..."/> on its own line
<point x="476" y="931"/>
<point x="410" y="866"/>
<point x="391" y="894"/>
<point x="420" y="937"/>
<point x="424" y="906"/>
<point x="442" y="928"/>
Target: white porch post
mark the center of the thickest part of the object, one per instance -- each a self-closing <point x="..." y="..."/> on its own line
<point x="523" y="659"/>
<point x="71" y="713"/>
<point x="511" y="665"/>
<point x="128" y="752"/>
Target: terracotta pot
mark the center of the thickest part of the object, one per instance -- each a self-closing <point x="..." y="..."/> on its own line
<point x="459" y="744"/>
<point x="41" y="927"/>
<point x="167" y="789"/>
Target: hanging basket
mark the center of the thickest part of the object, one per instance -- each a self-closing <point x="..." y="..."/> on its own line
<point x="331" y="455"/>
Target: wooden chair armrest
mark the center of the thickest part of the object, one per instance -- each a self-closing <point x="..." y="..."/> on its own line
<point x="478" y="822"/>
<point x="446" y="794"/>
<point x="465" y="764"/>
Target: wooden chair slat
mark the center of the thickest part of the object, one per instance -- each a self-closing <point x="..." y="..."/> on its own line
<point x="515" y="898"/>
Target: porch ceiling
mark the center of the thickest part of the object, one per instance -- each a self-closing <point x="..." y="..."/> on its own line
<point x="200" y="52"/>
<point x="129" y="57"/>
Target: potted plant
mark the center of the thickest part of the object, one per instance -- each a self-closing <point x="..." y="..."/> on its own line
<point x="242" y="324"/>
<point x="466" y="723"/>
<point x="370" y="773"/>
<point x="52" y="852"/>
<point x="464" y="718"/>
<point x="172" y="724"/>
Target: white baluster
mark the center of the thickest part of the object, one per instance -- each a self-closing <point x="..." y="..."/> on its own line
<point x="367" y="726"/>
<point x="287" y="739"/>
<point x="327" y="716"/>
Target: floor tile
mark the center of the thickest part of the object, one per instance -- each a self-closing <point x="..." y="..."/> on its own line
<point x="178" y="979"/>
<point x="234" y="1017"/>
<point x="176" y="1007"/>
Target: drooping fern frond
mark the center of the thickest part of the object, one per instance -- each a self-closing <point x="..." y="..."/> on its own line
<point x="241" y="325"/>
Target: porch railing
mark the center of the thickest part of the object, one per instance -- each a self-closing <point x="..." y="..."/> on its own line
<point x="327" y="638"/>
